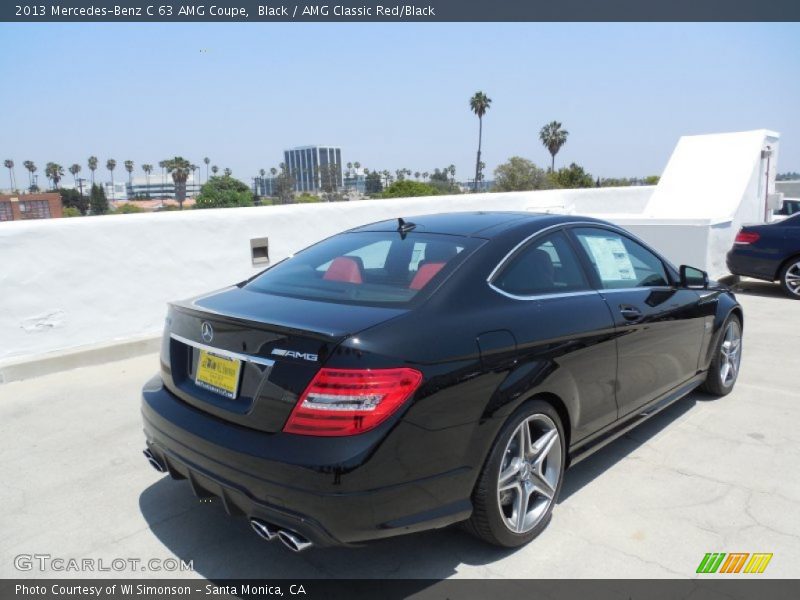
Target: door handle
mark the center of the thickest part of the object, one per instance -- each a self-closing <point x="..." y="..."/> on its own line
<point x="630" y="313"/>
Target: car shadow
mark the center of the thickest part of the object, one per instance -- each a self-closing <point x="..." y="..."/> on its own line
<point x="221" y="547"/>
<point x="605" y="458"/>
<point x="765" y="289"/>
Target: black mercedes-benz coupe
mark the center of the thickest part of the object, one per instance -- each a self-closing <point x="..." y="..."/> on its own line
<point x="419" y="372"/>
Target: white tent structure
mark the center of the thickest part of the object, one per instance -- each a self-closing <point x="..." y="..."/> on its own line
<point x="711" y="185"/>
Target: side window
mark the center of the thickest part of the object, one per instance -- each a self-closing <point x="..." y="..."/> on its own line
<point x="373" y="255"/>
<point x="547" y="265"/>
<point x="620" y="262"/>
<point x="438" y="252"/>
<point x="416" y="256"/>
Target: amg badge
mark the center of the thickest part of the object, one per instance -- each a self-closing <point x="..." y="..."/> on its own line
<point x="293" y="354"/>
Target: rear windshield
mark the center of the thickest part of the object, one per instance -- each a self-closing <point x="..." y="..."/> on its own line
<point x="370" y="268"/>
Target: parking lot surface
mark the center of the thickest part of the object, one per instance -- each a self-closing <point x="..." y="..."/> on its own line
<point x="705" y="475"/>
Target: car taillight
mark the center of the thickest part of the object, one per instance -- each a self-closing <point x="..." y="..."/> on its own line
<point x="351" y="401"/>
<point x="746" y="237"/>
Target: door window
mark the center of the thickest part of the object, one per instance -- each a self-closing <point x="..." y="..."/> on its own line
<point x="619" y="262"/>
<point x="548" y="265"/>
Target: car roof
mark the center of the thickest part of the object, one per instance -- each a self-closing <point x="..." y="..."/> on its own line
<point x="483" y="224"/>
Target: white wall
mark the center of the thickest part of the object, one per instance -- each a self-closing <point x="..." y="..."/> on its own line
<point x="683" y="242"/>
<point x="69" y="283"/>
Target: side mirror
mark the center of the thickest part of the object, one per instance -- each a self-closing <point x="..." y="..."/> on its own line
<point x="693" y="278"/>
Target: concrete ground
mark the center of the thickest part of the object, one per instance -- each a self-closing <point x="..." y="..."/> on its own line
<point x="706" y="475"/>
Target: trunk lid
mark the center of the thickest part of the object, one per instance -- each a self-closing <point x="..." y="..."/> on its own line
<point x="269" y="346"/>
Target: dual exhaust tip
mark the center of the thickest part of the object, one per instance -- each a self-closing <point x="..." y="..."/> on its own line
<point x="154" y="462"/>
<point x="266" y="531"/>
<point x="292" y="540"/>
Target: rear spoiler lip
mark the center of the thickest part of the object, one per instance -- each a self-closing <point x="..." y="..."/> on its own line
<point x="189" y="308"/>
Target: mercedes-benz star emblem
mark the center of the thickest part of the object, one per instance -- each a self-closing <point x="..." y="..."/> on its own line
<point x="206" y="332"/>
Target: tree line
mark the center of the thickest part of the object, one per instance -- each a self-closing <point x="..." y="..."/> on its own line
<point x="552" y="135"/>
<point x="521" y="174"/>
<point x="516" y="174"/>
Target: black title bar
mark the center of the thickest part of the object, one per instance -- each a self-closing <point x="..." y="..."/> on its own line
<point x="744" y="588"/>
<point x="397" y="11"/>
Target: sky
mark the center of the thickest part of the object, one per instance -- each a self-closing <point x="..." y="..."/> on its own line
<point x="391" y="95"/>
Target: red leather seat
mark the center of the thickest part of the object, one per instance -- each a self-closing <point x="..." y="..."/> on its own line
<point x="345" y="268"/>
<point x="426" y="272"/>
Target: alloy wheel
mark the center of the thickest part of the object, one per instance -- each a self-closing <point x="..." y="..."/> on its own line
<point x="730" y="354"/>
<point x="791" y="278"/>
<point x="529" y="473"/>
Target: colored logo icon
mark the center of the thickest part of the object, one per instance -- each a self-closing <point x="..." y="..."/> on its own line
<point x="734" y="562"/>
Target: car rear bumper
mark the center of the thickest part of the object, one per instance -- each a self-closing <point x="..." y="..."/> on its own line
<point x="242" y="468"/>
<point x="747" y="263"/>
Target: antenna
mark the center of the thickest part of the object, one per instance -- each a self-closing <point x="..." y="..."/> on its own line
<point x="404" y="227"/>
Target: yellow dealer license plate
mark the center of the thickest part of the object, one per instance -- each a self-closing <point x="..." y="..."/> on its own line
<point x="217" y="373"/>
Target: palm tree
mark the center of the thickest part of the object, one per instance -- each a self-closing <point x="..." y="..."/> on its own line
<point x="273" y="171"/>
<point x="214" y="170"/>
<point x="425" y="176"/>
<point x="147" y="168"/>
<point x="58" y="174"/>
<point x="9" y="164"/>
<point x="553" y="137"/>
<point x="479" y="104"/>
<point x="129" y="169"/>
<point x="180" y="169"/>
<point x="74" y="169"/>
<point x="54" y="173"/>
<point x="92" y="162"/>
<point x="31" y="168"/>
<point x="206" y="160"/>
<point x="111" y="164"/>
<point x="227" y="172"/>
<point x="452" y="170"/>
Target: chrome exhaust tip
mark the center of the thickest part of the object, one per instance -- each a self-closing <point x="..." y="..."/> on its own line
<point x="264" y="530"/>
<point x="294" y="541"/>
<point x="154" y="461"/>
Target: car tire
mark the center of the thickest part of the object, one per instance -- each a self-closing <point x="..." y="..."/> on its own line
<point x="789" y="278"/>
<point x="496" y="516"/>
<point x="724" y="368"/>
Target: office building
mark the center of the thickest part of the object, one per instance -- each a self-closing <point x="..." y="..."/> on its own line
<point x="304" y="164"/>
<point x="158" y="186"/>
<point x="265" y="186"/>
